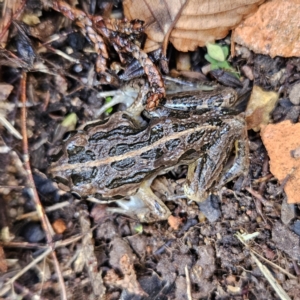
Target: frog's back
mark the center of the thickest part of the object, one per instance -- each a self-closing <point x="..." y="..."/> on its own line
<point x="112" y="158"/>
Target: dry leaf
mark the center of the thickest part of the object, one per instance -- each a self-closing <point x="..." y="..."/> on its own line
<point x="174" y="222"/>
<point x="273" y="30"/>
<point x="260" y="105"/>
<point x="129" y="281"/>
<point x="189" y="24"/>
<point x="59" y="226"/>
<point x="6" y="107"/>
<point x="3" y="264"/>
<point x="280" y="141"/>
<point x="5" y="90"/>
<point x="89" y="256"/>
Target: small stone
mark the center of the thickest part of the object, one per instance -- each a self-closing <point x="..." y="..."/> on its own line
<point x="296" y="227"/>
<point x="33" y="232"/>
<point x="295" y="94"/>
<point x="287" y="212"/>
<point x="210" y="208"/>
<point x="248" y="72"/>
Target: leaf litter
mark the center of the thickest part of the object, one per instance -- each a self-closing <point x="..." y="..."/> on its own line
<point x="102" y="254"/>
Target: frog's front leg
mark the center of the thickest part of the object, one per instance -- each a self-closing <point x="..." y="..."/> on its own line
<point x="144" y="205"/>
<point x="207" y="173"/>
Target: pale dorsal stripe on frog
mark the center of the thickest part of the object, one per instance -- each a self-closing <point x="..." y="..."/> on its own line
<point x="134" y="153"/>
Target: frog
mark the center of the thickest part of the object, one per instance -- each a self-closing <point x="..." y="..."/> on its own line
<point x="119" y="157"/>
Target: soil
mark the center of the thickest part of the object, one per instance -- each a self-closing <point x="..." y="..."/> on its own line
<point x="196" y="254"/>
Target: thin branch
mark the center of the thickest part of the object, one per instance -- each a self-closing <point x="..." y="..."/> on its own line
<point x="42" y="216"/>
<point x="29" y="266"/>
<point x="188" y="283"/>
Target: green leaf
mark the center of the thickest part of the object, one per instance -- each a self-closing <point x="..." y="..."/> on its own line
<point x="107" y="100"/>
<point x="224" y="65"/>
<point x="215" y="51"/>
<point x="138" y="228"/>
<point x="69" y="121"/>
<point x="225" y="50"/>
<point x="214" y="67"/>
<point x="209" y="59"/>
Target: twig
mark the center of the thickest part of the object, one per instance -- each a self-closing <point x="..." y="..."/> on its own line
<point x="47" y="209"/>
<point x="167" y="36"/>
<point x="259" y="197"/>
<point x="17" y="13"/>
<point x="188" y="283"/>
<point x="29" y="266"/>
<point x="42" y="216"/>
<point x="264" y="259"/>
<point x="273" y="282"/>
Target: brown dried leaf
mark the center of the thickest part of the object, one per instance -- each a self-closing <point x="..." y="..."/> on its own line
<point x="5" y="90"/>
<point x="174" y="222"/>
<point x="89" y="256"/>
<point x="260" y="105"/>
<point x="129" y="281"/>
<point x="3" y="264"/>
<point x="191" y="23"/>
<point x="9" y="9"/>
<point x="273" y="30"/>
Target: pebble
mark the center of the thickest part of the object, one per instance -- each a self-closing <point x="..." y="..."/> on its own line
<point x="33" y="232"/>
<point x="295" y="94"/>
<point x="296" y="227"/>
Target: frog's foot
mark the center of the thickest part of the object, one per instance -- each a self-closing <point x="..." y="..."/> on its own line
<point x="144" y="205"/>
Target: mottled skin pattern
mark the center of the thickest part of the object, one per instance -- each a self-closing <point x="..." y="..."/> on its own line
<point x="117" y="157"/>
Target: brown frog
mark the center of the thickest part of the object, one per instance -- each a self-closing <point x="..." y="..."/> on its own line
<point x="120" y="156"/>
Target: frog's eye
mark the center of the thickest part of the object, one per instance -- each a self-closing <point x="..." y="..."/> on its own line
<point x="232" y="99"/>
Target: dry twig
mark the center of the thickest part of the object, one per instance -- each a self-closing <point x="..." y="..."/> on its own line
<point x="42" y="216"/>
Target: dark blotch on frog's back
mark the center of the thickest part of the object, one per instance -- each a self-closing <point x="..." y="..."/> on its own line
<point x="55" y="157"/>
<point x="177" y="127"/>
<point x="152" y="154"/>
<point x="85" y="176"/>
<point x="134" y="178"/>
<point x="195" y="136"/>
<point x="156" y="133"/>
<point x="123" y="164"/>
<point x="172" y="144"/>
<point x="77" y="154"/>
<point x="121" y="130"/>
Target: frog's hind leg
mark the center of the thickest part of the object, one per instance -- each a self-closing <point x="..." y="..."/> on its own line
<point x="240" y="165"/>
<point x="207" y="173"/>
